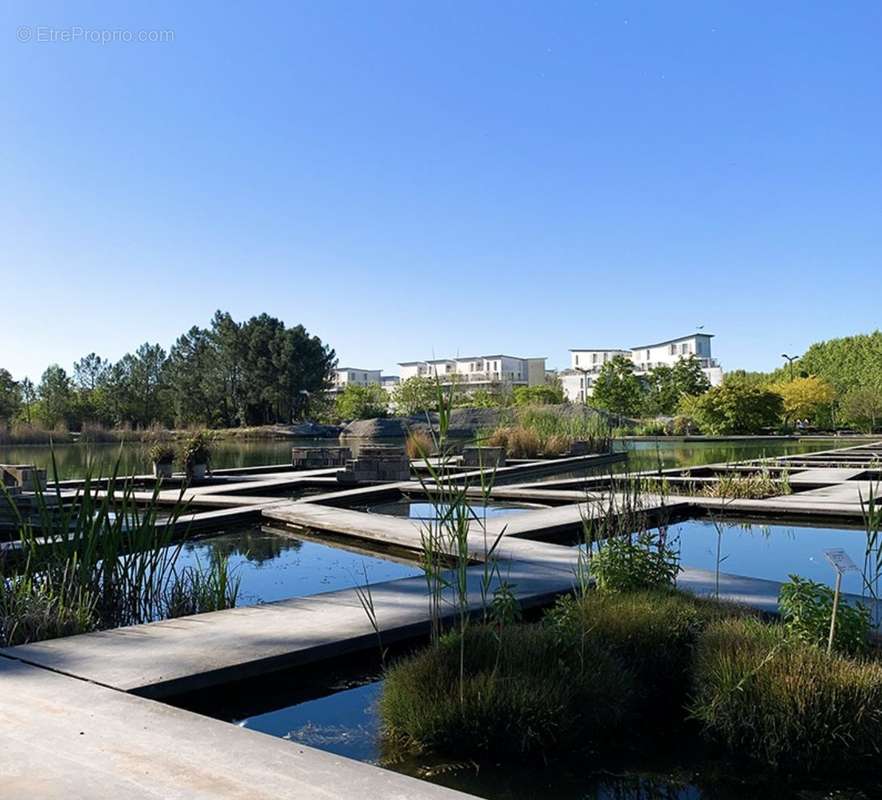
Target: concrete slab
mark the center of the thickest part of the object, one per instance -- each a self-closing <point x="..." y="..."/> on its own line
<point x="64" y="738"/>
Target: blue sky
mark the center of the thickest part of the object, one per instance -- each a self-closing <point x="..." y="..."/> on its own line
<point x="415" y="178"/>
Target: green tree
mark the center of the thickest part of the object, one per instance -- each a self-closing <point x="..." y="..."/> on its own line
<point x="734" y="407"/>
<point x="542" y="394"/>
<point x="863" y="408"/>
<point x="362" y="402"/>
<point x="56" y="401"/>
<point x="666" y="386"/>
<point x="415" y="396"/>
<point x="617" y="389"/>
<point x="10" y="396"/>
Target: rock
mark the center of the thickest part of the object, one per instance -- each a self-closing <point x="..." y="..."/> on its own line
<point x="314" y="430"/>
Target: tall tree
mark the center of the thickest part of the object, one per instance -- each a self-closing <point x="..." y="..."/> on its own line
<point x="617" y="389"/>
<point x="56" y="398"/>
<point x="10" y="396"/>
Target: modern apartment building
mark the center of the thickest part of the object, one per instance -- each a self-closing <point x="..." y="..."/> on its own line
<point x="585" y="363"/>
<point x="478" y="372"/>
<point x="348" y="376"/>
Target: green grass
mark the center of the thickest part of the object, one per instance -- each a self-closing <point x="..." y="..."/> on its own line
<point x="765" y="695"/>
<point x="652" y="632"/>
<point x="525" y="693"/>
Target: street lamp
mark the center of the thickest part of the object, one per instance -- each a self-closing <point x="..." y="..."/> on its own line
<point x="790" y="360"/>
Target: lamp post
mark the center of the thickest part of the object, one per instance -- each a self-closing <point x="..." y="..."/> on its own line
<point x="790" y="360"/>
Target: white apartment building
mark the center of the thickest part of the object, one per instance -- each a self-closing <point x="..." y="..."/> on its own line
<point x="578" y="380"/>
<point x="478" y="372"/>
<point x="349" y="376"/>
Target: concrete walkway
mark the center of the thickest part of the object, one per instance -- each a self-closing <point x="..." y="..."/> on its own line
<point x="63" y="738"/>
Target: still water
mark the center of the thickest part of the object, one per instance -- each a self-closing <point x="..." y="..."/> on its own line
<point x="73" y="459"/>
<point x="274" y="566"/>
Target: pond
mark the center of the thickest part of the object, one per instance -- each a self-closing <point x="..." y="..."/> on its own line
<point x="773" y="552"/>
<point x="274" y="566"/>
<point x="72" y="459"/>
<point x="424" y="510"/>
<point x="346" y="722"/>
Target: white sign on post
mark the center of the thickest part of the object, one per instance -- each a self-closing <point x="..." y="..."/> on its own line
<point x="840" y="560"/>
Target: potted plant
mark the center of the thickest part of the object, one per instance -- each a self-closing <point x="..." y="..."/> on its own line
<point x="162" y="454"/>
<point x="196" y="454"/>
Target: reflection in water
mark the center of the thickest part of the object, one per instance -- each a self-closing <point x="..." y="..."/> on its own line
<point x="274" y="567"/>
<point x="346" y="723"/>
<point x="420" y="509"/>
<point x="72" y="458"/>
<point x="773" y="552"/>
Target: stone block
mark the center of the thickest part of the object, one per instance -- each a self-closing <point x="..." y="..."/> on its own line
<point x="488" y="457"/>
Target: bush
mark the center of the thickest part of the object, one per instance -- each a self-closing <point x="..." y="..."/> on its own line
<point x="196" y="449"/>
<point x="544" y="394"/>
<point x="524" y="693"/>
<point x="652" y="632"/>
<point x="734" y="407"/>
<point x="633" y="562"/>
<point x="362" y="402"/>
<point x="755" y="486"/>
<point x="762" y="694"/>
<point x="518" y="442"/>
<point x="418" y="445"/>
<point x="806" y="609"/>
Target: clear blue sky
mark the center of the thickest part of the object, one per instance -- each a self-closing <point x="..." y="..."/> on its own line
<point x="417" y="178"/>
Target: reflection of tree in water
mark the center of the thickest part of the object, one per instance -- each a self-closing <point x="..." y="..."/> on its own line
<point x="632" y="787"/>
<point x="253" y="544"/>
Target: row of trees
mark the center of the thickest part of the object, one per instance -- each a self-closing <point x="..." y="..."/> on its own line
<point x="226" y="375"/>
<point x="836" y="384"/>
<point x="418" y="395"/>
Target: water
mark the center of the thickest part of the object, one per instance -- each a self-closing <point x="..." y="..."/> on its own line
<point x="772" y="552"/>
<point x="347" y="723"/>
<point x="422" y="510"/>
<point x="645" y="455"/>
<point x="73" y="458"/>
<point x="276" y="567"/>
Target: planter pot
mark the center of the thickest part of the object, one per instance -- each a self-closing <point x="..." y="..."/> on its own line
<point x="162" y="469"/>
<point x="197" y="472"/>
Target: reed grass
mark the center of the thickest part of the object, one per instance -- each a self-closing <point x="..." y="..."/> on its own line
<point x="98" y="561"/>
<point x="790" y="705"/>
<point x="524" y="694"/>
<point x="418" y="445"/>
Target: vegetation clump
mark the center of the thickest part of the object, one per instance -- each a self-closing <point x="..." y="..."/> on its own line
<point x="634" y="562"/>
<point x="807" y="609"/>
<point x="753" y="486"/>
<point x="418" y="445"/>
<point x="762" y="693"/>
<point x="652" y="632"/>
<point x="524" y="692"/>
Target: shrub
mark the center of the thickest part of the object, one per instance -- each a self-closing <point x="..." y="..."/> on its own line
<point x="540" y="395"/>
<point x="806" y="609"/>
<point x="418" y="445"/>
<point x="735" y="406"/>
<point x="161" y="452"/>
<point x="196" y="449"/>
<point x="633" y="562"/>
<point x="763" y="694"/>
<point x="362" y="402"/>
<point x="523" y="693"/>
<point x="652" y="632"/>
<point x="518" y="442"/>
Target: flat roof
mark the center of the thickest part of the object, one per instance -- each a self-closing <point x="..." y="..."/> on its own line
<point x="671" y="341"/>
<point x="468" y="358"/>
<point x="598" y="350"/>
<point x="355" y="369"/>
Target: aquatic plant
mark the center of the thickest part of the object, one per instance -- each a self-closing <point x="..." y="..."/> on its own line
<point x="196" y="449"/>
<point x="807" y="608"/>
<point x="652" y="632"/>
<point x="757" y="485"/>
<point x="765" y="695"/>
<point x="524" y="694"/>
<point x="102" y="559"/>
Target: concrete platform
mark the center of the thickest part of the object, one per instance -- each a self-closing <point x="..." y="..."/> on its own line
<point x="63" y="738"/>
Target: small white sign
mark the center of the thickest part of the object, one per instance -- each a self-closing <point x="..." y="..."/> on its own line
<point x="840" y="560"/>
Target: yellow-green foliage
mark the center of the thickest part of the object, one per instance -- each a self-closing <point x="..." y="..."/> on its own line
<point x="766" y="695"/>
